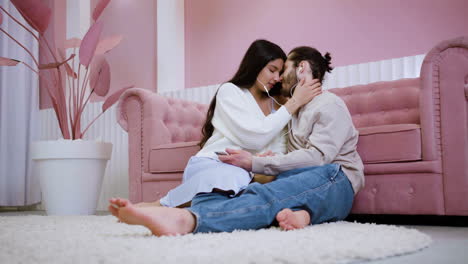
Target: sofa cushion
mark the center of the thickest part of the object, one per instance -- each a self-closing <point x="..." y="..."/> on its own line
<point x="390" y="143"/>
<point x="171" y="157"/>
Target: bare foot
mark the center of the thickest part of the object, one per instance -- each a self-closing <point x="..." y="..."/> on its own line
<point x="155" y="203"/>
<point x="118" y="202"/>
<point x="162" y="221"/>
<point x="289" y="220"/>
<point x="114" y="211"/>
<point x="115" y="204"/>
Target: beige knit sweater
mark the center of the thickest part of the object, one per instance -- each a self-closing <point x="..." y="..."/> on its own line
<point x="321" y="133"/>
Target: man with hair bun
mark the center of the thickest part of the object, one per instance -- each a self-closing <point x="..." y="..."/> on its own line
<point x="316" y="181"/>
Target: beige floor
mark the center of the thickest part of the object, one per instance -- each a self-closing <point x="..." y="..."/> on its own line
<point x="450" y="244"/>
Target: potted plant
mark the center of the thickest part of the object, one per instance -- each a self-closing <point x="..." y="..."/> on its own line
<point x="71" y="169"/>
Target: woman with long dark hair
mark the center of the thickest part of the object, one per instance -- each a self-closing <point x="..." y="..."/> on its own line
<point x="242" y="115"/>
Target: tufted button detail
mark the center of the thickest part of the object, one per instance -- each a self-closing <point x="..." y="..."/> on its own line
<point x="411" y="190"/>
<point x="466" y="87"/>
<point x="374" y="190"/>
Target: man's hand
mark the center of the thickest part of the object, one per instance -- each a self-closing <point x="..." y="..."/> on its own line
<point x="239" y="158"/>
<point x="268" y="153"/>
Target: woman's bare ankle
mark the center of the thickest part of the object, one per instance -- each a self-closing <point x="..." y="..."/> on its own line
<point x="148" y="204"/>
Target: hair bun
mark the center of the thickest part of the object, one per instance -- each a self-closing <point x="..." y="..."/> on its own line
<point x="327" y="59"/>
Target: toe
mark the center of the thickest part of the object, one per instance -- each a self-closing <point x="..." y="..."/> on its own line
<point x="282" y="215"/>
<point x="113" y="210"/>
<point x="124" y="202"/>
<point x="120" y="202"/>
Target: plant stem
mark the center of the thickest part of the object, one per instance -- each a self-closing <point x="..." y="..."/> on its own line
<point x="70" y="115"/>
<point x="76" y="98"/>
<point x="27" y="65"/>
<point x="47" y="59"/>
<point x="83" y="89"/>
<point x="21" y="24"/>
<point x="50" y="50"/>
<point x="90" y="123"/>
<point x="73" y="84"/>
<point x="87" y="99"/>
<point x="78" y="87"/>
<point x="62" y="100"/>
<point x="21" y="45"/>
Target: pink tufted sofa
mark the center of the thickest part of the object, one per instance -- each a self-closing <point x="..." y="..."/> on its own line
<point x="413" y="138"/>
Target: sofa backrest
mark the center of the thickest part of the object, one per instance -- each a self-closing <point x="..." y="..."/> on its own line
<point x="375" y="104"/>
<point x="382" y="103"/>
<point x="182" y="120"/>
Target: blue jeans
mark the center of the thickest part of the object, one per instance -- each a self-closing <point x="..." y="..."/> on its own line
<point x="324" y="191"/>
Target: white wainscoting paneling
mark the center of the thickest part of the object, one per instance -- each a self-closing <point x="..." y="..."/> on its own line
<point x="364" y="73"/>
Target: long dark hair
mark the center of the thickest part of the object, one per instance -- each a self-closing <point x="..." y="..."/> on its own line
<point x="258" y="55"/>
<point x="318" y="64"/>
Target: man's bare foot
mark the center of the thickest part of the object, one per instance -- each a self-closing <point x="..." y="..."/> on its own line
<point x="162" y="221"/>
<point x="289" y="220"/>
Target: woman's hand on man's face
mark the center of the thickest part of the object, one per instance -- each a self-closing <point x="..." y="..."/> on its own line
<point x="306" y="91"/>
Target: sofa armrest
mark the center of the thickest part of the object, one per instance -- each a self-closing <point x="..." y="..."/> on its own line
<point x="443" y="75"/>
<point x="152" y="120"/>
<point x="140" y="97"/>
<point x="466" y="87"/>
<point x="444" y="117"/>
<point x="133" y="105"/>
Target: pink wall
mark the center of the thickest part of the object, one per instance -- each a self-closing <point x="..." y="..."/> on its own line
<point x="217" y="33"/>
<point x="134" y="60"/>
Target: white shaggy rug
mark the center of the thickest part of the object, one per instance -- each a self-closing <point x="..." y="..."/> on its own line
<point x="100" y="239"/>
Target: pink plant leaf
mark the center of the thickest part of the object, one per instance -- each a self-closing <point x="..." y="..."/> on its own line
<point x="36" y="13"/>
<point x="8" y="62"/>
<point x="113" y="98"/>
<point x="89" y="44"/>
<point x="100" y="76"/>
<point x="108" y="44"/>
<point x="55" y="64"/>
<point x="68" y="68"/>
<point x="99" y="9"/>
<point x="72" y="43"/>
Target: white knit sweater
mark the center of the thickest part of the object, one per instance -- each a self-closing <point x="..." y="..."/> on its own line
<point x="239" y="123"/>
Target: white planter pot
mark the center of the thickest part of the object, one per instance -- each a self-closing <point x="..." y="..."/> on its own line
<point x="71" y="173"/>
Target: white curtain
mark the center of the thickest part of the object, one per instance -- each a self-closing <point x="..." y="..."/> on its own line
<point x="19" y="116"/>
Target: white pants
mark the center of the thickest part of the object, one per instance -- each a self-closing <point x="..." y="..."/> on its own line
<point x="202" y="175"/>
